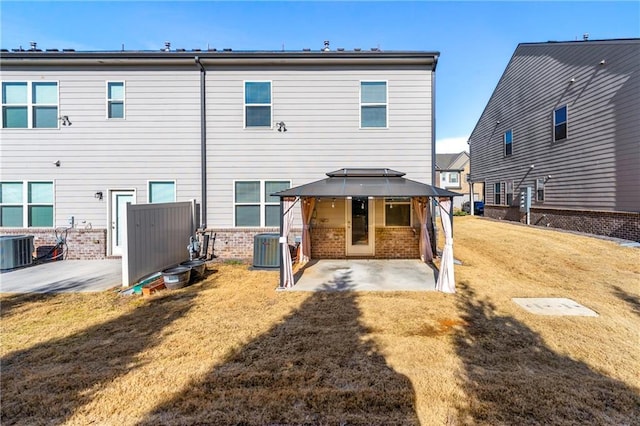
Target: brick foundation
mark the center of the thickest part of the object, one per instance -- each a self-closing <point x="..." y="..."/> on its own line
<point x="82" y="244"/>
<point x="328" y="243"/>
<point x="235" y="243"/>
<point x="625" y="225"/>
<point x="397" y="243"/>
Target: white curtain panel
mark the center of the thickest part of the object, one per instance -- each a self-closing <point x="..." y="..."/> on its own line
<point x="307" y="211"/>
<point x="446" y="280"/>
<point x="287" y="223"/>
<point x="420" y="206"/>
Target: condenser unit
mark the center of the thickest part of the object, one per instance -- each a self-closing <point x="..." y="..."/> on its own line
<point x="265" y="251"/>
<point x="15" y="251"/>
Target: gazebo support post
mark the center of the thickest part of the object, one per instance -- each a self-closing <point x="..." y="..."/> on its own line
<point x="282" y="243"/>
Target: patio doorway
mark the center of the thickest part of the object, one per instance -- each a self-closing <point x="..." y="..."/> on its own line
<point x="360" y="227"/>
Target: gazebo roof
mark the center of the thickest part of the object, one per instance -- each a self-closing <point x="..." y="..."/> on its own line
<point x="365" y="183"/>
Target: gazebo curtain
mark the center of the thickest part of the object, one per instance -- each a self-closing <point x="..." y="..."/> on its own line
<point x="307" y="207"/>
<point x="421" y="207"/>
<point x="287" y="223"/>
<point x="446" y="281"/>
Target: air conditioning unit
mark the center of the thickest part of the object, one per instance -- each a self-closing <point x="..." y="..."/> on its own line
<point x="15" y="251"/>
<point x="265" y="251"/>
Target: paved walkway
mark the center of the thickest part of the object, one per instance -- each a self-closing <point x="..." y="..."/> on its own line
<point x="366" y="275"/>
<point x="66" y="276"/>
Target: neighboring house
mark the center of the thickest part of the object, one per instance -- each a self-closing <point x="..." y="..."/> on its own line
<point x="84" y="133"/>
<point x="452" y="171"/>
<point x="564" y="121"/>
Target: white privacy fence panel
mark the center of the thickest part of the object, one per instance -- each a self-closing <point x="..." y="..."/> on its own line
<point x="156" y="238"/>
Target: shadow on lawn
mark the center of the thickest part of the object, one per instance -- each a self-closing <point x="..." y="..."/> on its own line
<point x="632" y="300"/>
<point x="512" y="377"/>
<point x="48" y="382"/>
<point x="316" y="367"/>
<point x="13" y="302"/>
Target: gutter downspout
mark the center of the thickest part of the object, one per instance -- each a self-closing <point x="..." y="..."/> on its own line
<point x="203" y="144"/>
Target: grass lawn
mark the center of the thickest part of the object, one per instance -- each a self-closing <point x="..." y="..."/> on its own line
<point x="230" y="350"/>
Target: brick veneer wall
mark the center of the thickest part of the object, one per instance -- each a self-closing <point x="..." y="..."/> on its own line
<point x="625" y="225"/>
<point x="237" y="243"/>
<point x="328" y="243"/>
<point x="397" y="243"/>
<point x="82" y="244"/>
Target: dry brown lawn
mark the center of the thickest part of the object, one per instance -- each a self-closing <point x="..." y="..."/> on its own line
<point x="231" y="350"/>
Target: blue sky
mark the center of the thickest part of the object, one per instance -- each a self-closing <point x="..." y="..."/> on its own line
<point x="476" y="39"/>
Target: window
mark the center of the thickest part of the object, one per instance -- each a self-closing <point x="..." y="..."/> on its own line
<point x="162" y="192"/>
<point x="257" y="104"/>
<point x="560" y="123"/>
<point x="509" y="192"/>
<point x="30" y="105"/>
<point x="540" y="190"/>
<point x="254" y="205"/>
<point x="36" y="212"/>
<point x="496" y="193"/>
<point x="454" y="178"/>
<point x="397" y="212"/>
<point x="508" y="142"/>
<point x="115" y="99"/>
<point x="373" y="104"/>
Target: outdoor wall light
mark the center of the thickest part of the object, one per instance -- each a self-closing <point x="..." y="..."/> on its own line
<point x="546" y="178"/>
<point x="98" y="195"/>
<point x="65" y="120"/>
<point x="57" y="163"/>
<point x="281" y="126"/>
<point x="333" y="203"/>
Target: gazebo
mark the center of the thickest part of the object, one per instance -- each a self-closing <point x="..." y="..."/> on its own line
<point x="359" y="187"/>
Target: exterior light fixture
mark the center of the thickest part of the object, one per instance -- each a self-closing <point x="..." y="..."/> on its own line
<point x="98" y="195"/>
<point x="281" y="126"/>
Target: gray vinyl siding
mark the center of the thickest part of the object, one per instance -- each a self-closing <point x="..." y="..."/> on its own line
<point x="598" y="166"/>
<point x="158" y="140"/>
<point x="321" y="109"/>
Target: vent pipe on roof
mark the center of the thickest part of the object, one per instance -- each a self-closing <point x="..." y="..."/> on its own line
<point x="585" y="37"/>
<point x="326" y="46"/>
<point x="33" y="45"/>
<point x="167" y="46"/>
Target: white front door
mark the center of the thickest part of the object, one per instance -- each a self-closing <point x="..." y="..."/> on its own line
<point x="360" y="227"/>
<point x="119" y="200"/>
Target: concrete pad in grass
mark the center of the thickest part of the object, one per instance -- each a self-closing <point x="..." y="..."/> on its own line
<point x="554" y="306"/>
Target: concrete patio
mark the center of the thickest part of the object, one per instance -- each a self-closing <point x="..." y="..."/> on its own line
<point x="366" y="275"/>
<point x="66" y="276"/>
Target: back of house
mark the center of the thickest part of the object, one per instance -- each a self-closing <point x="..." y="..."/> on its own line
<point x="85" y="133"/>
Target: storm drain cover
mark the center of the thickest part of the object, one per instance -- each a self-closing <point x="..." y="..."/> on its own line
<point x="554" y="306"/>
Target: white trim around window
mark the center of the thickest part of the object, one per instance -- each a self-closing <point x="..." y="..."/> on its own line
<point x="561" y="123"/>
<point x="253" y="205"/>
<point x="259" y="101"/>
<point x="375" y="100"/>
<point x="165" y="191"/>
<point x="115" y="100"/>
<point x="27" y="204"/>
<point x="26" y="107"/>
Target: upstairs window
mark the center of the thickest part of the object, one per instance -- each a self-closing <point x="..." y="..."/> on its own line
<point x="508" y="143"/>
<point x="257" y="104"/>
<point x="115" y="99"/>
<point x="255" y="206"/>
<point x="454" y="178"/>
<point x="560" y="118"/>
<point x="36" y="212"/>
<point x="373" y="104"/>
<point x="30" y="105"/>
<point x="162" y="192"/>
